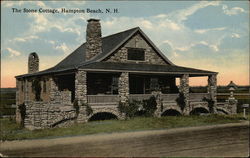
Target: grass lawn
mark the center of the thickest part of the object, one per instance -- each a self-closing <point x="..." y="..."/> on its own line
<point x="11" y="131"/>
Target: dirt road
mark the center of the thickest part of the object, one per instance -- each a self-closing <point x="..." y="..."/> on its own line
<point x="218" y="140"/>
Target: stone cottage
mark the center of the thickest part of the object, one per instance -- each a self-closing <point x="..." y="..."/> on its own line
<point x="102" y="72"/>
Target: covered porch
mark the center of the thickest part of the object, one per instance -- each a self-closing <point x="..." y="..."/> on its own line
<point x="103" y="88"/>
<point x="106" y="86"/>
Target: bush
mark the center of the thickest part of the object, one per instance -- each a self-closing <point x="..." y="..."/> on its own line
<point x="138" y="108"/>
<point x="149" y="106"/>
<point x="129" y="108"/>
<point x="76" y="106"/>
<point x="181" y="100"/>
<point x="210" y="104"/>
<point x="89" y="110"/>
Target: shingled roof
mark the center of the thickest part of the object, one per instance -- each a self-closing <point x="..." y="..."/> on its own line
<point x="110" y="44"/>
<point x="144" y="68"/>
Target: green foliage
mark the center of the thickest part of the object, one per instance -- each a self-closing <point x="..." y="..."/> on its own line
<point x="89" y="110"/>
<point x="76" y="106"/>
<point x="122" y="107"/>
<point x="22" y="109"/>
<point x="149" y="106"/>
<point x="129" y="108"/>
<point x="7" y="99"/>
<point x="210" y="104"/>
<point x="11" y="131"/>
<point x="145" y="108"/>
<point x="36" y="86"/>
<point x="181" y="100"/>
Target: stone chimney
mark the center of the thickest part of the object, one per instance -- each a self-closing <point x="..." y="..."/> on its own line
<point x="93" y="38"/>
<point x="33" y="63"/>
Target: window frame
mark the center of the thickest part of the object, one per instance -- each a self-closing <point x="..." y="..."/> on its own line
<point x="136" y="49"/>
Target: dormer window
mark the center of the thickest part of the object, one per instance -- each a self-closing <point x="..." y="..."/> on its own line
<point x="136" y="54"/>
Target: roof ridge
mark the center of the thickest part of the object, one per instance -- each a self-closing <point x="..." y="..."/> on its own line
<point x="134" y="28"/>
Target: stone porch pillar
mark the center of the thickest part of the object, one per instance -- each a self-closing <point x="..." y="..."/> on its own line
<point x="212" y="89"/>
<point x="184" y="88"/>
<point x="81" y="94"/>
<point x="158" y="97"/>
<point x="54" y="91"/>
<point x="81" y="86"/>
<point x="123" y="87"/>
<point x="26" y="90"/>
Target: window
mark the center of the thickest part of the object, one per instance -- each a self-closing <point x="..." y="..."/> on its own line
<point x="136" y="54"/>
<point x="154" y="84"/>
<point x="114" y="86"/>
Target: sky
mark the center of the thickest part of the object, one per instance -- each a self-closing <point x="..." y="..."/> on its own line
<point x="209" y="35"/>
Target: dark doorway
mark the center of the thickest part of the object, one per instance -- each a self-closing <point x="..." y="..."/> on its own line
<point x="171" y="112"/>
<point x="103" y="116"/>
<point x="199" y="111"/>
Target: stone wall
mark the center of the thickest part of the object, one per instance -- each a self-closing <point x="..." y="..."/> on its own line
<point x="170" y="105"/>
<point x="109" y="109"/>
<point x="123" y="87"/>
<point x="121" y="55"/>
<point x="193" y="105"/>
<point x="228" y="107"/>
<point x="45" y="115"/>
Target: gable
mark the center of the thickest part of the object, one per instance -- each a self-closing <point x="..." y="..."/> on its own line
<point x="137" y="41"/>
<point x="114" y="49"/>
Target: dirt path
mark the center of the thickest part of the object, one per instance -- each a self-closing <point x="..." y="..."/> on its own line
<point x="217" y="140"/>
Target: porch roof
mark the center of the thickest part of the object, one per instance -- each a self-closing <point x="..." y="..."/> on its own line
<point x="144" y="68"/>
<point x="111" y="43"/>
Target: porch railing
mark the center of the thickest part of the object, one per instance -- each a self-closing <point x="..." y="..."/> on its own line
<point x="198" y="96"/>
<point x="102" y="98"/>
<point x="165" y="97"/>
<point x="139" y="97"/>
<point x="169" y="97"/>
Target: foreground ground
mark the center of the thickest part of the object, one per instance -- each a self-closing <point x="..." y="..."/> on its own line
<point x="226" y="140"/>
<point x="11" y="131"/>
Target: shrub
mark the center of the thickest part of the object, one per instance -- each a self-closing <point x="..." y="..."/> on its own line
<point x="181" y="100"/>
<point x="76" y="106"/>
<point x="210" y="104"/>
<point x="129" y="108"/>
<point x="134" y="108"/>
<point x="149" y="106"/>
<point x="89" y="110"/>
